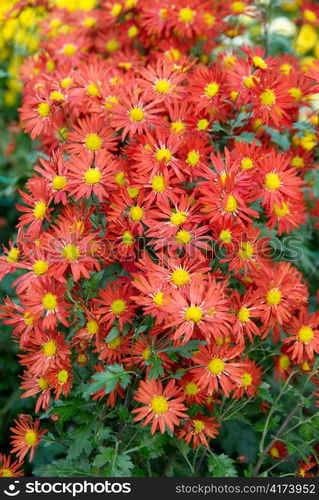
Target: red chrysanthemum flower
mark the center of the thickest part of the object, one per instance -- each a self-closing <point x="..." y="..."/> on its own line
<point x="278" y="451"/>
<point x="10" y="468"/>
<point x="163" y="406"/>
<point x="26" y="436"/>
<point x="216" y="369"/>
<point x="304" y="339"/>
<point x="197" y="429"/>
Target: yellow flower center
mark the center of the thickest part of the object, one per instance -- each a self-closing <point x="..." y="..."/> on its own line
<point x="159" y="405"/>
<point x="136" y="213"/>
<point x="178" y="218"/>
<point x="284" y="362"/>
<point x="30" y="438"/>
<point x="136" y="114"/>
<point x="231" y="204"/>
<point x="246" y="379"/>
<point x="116" y="9"/>
<point x="268" y="97"/>
<point x="146" y="353"/>
<point x="296" y="93"/>
<point x="243" y="315"/>
<point x="259" y="62"/>
<point x="297" y="162"/>
<point x="6" y="473"/>
<point x="191" y="388"/>
<point x="225" y="236"/>
<point x="274" y="452"/>
<point x="216" y="366"/>
<point x="158" y="299"/>
<point x="238" y="7"/>
<point x="285" y="69"/>
<point x="162" y="86"/>
<point x="192" y="158"/>
<point x="112" y="45"/>
<point x="93" y="142"/>
<point x="202" y="124"/>
<point x="274" y="297"/>
<point x="212" y="89"/>
<point x="13" y="255"/>
<point x="69" y="49"/>
<point x="28" y="320"/>
<point x="40" y="209"/>
<point x="110" y="101"/>
<point x="133" y="192"/>
<point x="246" y="163"/>
<point x="132" y="31"/>
<point x="186" y="15"/>
<point x="246" y="251"/>
<point x="128" y="239"/>
<point x="158" y="183"/>
<point x="198" y="425"/>
<point x="164" y="155"/>
<point x="93" y="90"/>
<point x="249" y="81"/>
<point x="62" y="377"/>
<point x="272" y="181"/>
<point x="115" y="343"/>
<point x="92" y="176"/>
<point x="183" y="237"/>
<point x="71" y="252"/>
<point x="180" y="277"/>
<point x="50" y="348"/>
<point x="305" y="334"/>
<point x="44" y="109"/>
<point x="177" y="127"/>
<point x="120" y="178"/>
<point x="59" y="182"/>
<point x="282" y="210"/>
<point x="50" y="301"/>
<point x="66" y="82"/>
<point x="193" y="313"/>
<point x="310" y="16"/>
<point x="40" y="267"/>
<point x="56" y="96"/>
<point x="92" y="327"/>
<point x="43" y="383"/>
<point x="88" y="22"/>
<point x="118" y="307"/>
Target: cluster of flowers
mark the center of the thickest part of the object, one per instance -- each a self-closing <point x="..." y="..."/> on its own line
<point x="164" y="165"/>
<point x="18" y="38"/>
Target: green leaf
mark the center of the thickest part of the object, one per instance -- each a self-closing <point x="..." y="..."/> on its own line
<point x="248" y="137"/>
<point x="277" y="138"/>
<point x="157" y="369"/>
<point x="116" y="465"/>
<point x="82" y="440"/>
<point x="64" y="468"/>
<point x="108" y="380"/>
<point x="113" y="333"/>
<point x="104" y="457"/>
<point x="221" y="466"/>
<point x="186" y="350"/>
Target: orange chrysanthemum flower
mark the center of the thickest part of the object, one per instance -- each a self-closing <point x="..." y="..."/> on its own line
<point x="163" y="407"/>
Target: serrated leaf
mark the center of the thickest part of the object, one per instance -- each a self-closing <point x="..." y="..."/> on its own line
<point x="64" y="468"/>
<point x="113" y="333"/>
<point x="221" y="466"/>
<point x="186" y="350"/>
<point x="279" y="139"/>
<point x="248" y="137"/>
<point x="104" y="457"/>
<point x="157" y="369"/>
<point x="81" y="440"/>
<point x="108" y="379"/>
